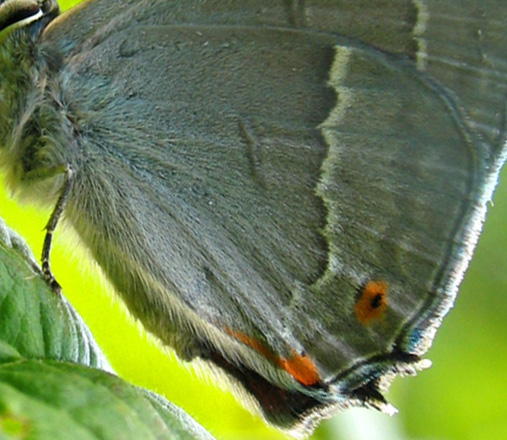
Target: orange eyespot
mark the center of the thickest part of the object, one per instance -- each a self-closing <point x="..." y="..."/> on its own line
<point x="372" y="302"/>
<point x="300" y="367"/>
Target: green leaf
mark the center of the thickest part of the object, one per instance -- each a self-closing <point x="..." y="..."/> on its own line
<point x="55" y="383"/>
<point x="34" y="321"/>
<point x="46" y="399"/>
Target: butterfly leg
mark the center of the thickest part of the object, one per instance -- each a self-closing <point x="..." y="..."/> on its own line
<point x="50" y="228"/>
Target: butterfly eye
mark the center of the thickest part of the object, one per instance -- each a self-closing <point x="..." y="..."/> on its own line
<point x="18" y="11"/>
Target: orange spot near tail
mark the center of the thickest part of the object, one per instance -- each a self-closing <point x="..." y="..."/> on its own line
<point x="372" y="303"/>
<point x="302" y="369"/>
<point x="299" y="367"/>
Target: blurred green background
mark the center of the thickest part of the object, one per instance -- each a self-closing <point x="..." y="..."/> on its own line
<point x="461" y="397"/>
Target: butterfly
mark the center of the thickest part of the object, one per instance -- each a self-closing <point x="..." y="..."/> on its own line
<point x="287" y="190"/>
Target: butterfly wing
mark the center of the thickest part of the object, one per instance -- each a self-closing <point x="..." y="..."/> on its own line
<point x="290" y="190"/>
